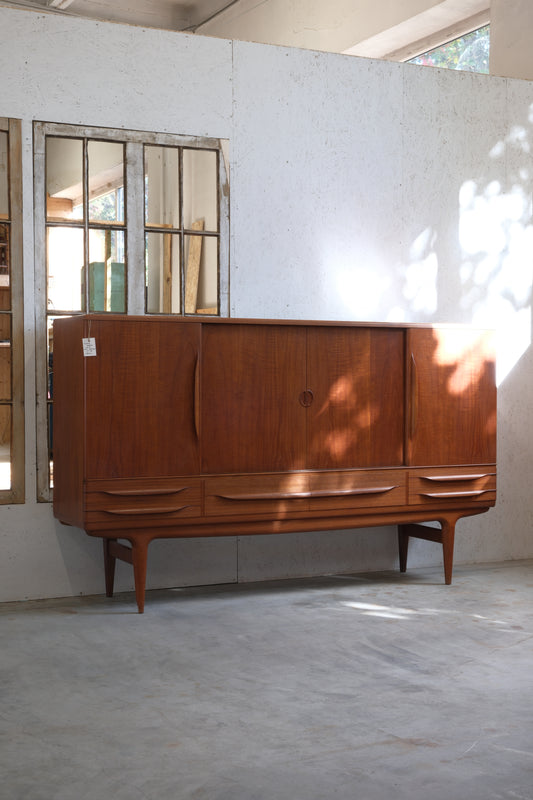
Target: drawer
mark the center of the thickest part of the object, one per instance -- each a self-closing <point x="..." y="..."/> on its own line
<point x="271" y="494"/>
<point x="136" y="499"/>
<point x="453" y="485"/>
<point x="357" y="489"/>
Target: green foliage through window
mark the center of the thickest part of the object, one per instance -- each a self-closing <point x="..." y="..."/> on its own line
<point x="469" y="53"/>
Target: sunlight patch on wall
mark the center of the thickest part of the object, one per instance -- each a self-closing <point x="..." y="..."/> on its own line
<point x="496" y="274"/>
<point x="361" y="288"/>
<point x="421" y="274"/>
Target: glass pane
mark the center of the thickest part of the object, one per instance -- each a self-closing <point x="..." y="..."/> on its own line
<point x="200" y="196"/>
<point x="64" y="179"/>
<point x="65" y="269"/>
<point x="5" y="290"/>
<point x="4" y="176"/>
<point x="162" y="186"/>
<point x="469" y="53"/>
<point x="201" y="275"/>
<point x="107" y="284"/>
<point x="5" y="357"/>
<point x="163" y="273"/>
<point x="5" y="447"/>
<point x="106" y="178"/>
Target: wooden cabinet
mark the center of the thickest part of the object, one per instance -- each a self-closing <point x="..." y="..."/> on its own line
<point x="182" y="427"/>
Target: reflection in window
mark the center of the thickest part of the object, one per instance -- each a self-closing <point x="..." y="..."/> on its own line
<point x="181" y="199"/>
<point x="107" y="280"/>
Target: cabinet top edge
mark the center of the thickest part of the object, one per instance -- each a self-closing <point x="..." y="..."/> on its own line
<point x="259" y="321"/>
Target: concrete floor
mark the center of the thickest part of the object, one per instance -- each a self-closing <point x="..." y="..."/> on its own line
<point x="363" y="687"/>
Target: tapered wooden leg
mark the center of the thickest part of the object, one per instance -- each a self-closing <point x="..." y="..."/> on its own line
<point x="140" y="558"/>
<point x="109" y="566"/>
<point x="448" y="538"/>
<point x="403" y="546"/>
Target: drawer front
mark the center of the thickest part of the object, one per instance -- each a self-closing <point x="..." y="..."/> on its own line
<point x="128" y="500"/>
<point x="270" y="494"/>
<point x="357" y="489"/>
<point x="453" y="485"/>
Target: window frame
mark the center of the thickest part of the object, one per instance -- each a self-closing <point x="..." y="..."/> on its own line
<point x="16" y="492"/>
<point x="134" y="226"/>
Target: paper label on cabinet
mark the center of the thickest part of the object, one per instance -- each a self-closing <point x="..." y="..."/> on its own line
<point x="89" y="347"/>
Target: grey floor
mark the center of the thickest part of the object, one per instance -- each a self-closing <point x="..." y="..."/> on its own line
<point x="363" y="687"/>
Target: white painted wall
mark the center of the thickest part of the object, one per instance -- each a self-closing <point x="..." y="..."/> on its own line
<point x="359" y="190"/>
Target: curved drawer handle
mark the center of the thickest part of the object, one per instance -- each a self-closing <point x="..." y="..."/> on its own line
<point x="438" y="478"/>
<point x="353" y="492"/>
<point x="265" y="496"/>
<point x="138" y="511"/>
<point x="455" y="494"/>
<point x="300" y="495"/>
<point x="143" y="492"/>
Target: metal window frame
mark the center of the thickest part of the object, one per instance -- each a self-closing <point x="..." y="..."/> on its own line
<point x="134" y="227"/>
<point x="16" y="492"/>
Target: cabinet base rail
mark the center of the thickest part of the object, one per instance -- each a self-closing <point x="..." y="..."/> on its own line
<point x="137" y="553"/>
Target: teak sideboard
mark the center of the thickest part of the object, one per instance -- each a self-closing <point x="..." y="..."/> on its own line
<point x="186" y="427"/>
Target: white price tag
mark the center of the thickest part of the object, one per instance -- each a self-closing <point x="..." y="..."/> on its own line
<point x="89" y="347"/>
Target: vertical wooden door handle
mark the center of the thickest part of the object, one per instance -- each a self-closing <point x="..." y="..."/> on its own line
<point x="414" y="397"/>
<point x="197" y="397"/>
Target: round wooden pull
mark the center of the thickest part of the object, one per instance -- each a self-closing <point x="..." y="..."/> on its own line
<point x="306" y="398"/>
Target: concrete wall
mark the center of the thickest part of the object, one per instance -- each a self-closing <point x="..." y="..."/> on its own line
<point x="359" y="190"/>
<point x="511" y="54"/>
<point x="363" y="27"/>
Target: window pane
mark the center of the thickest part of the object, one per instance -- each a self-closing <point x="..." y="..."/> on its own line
<point x="469" y="53"/>
<point x="107" y="290"/>
<point x="5" y="288"/>
<point x="4" y="176"/>
<point x="64" y="179"/>
<point x="65" y="269"/>
<point x="106" y="176"/>
<point x="162" y="185"/>
<point x="5" y="356"/>
<point x="163" y="273"/>
<point x="201" y="275"/>
<point x="5" y="447"/>
<point x="200" y="188"/>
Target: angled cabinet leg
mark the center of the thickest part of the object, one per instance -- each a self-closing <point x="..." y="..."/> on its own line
<point x="403" y="546"/>
<point x="444" y="536"/>
<point x="137" y="555"/>
<point x="139" y="558"/>
<point x="448" y="538"/>
<point x="109" y="566"/>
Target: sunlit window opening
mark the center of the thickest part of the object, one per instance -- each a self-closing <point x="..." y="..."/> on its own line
<point x="469" y="53"/>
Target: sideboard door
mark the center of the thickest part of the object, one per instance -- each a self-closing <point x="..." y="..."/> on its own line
<point x="451" y="394"/>
<point x="252" y="379"/>
<point x="356" y="376"/>
<point x="141" y="399"/>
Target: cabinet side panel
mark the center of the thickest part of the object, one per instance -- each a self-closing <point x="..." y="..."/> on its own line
<point x="141" y="398"/>
<point x="68" y="421"/>
<point x="252" y="379"/>
<point x="452" y="396"/>
<point x="357" y="415"/>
